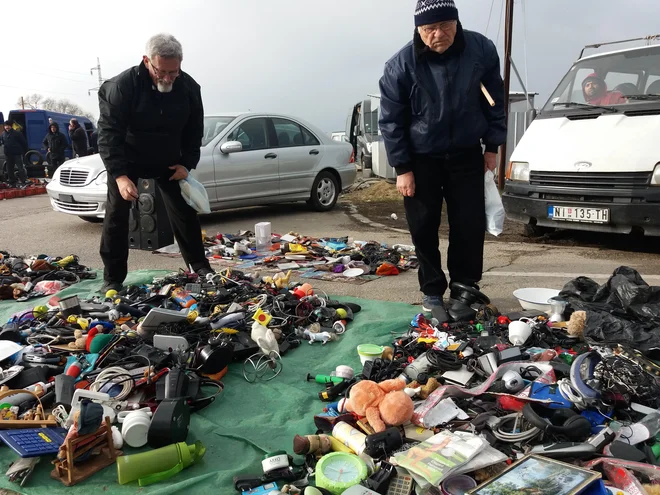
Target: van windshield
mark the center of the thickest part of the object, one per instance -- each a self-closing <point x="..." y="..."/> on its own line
<point x="610" y="83"/>
<point x="214" y="126"/>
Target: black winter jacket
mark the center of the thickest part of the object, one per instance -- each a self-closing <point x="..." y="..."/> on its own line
<point x="432" y="104"/>
<point x="143" y="131"/>
<point x="56" y="142"/>
<point x="79" y="141"/>
<point x="14" y="142"/>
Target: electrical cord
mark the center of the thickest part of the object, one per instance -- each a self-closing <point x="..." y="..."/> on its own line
<point x="570" y="393"/>
<point x="443" y="360"/>
<point x="114" y="375"/>
<point x="512" y="436"/>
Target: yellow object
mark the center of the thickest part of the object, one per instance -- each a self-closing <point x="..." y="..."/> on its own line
<point x="297" y="248"/>
<point x="111" y="293"/>
<point x="40" y="311"/>
<point x="337" y="446"/>
<point x="72" y="319"/>
<point x="341" y="312"/>
<point x="46" y="439"/>
<point x="64" y="261"/>
<point x="192" y="316"/>
<point x="228" y="331"/>
<point x="262" y="318"/>
<point x="82" y="323"/>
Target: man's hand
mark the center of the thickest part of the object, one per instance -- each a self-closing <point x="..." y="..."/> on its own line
<point x="180" y="172"/>
<point x="490" y="162"/>
<point x="127" y="189"/>
<point x="405" y="184"/>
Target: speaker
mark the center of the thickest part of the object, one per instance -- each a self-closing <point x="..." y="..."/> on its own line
<point x="148" y="225"/>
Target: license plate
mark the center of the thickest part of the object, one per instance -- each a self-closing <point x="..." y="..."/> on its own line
<point x="579" y="214"/>
<point x="66" y="198"/>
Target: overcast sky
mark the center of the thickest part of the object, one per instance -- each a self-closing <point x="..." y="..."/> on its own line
<point x="309" y="58"/>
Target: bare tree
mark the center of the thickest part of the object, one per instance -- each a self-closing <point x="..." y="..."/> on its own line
<point x="30" y="101"/>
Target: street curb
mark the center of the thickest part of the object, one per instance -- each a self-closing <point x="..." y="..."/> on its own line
<point x="355" y="215"/>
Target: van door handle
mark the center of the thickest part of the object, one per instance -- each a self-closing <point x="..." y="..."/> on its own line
<point x="314" y="152"/>
<point x="271" y="155"/>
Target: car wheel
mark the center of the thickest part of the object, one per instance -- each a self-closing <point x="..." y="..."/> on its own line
<point x="325" y="192"/>
<point x="92" y="219"/>
<point x="534" y="231"/>
<point x="35" y="158"/>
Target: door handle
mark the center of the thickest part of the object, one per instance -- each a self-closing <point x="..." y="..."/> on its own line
<point x="271" y="155"/>
<point x="314" y="152"/>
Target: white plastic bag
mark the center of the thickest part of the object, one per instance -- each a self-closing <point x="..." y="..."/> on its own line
<point x="494" y="208"/>
<point x="195" y="194"/>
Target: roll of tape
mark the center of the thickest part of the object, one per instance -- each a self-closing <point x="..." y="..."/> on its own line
<point x="275" y="461"/>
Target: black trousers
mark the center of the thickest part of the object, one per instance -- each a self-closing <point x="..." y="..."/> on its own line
<point x="459" y="180"/>
<point x="114" y="240"/>
<point x="15" y="162"/>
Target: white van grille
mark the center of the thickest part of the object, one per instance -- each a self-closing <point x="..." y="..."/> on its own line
<point x="591" y="180"/>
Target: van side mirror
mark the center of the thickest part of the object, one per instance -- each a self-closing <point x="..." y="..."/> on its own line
<point x="231" y="147"/>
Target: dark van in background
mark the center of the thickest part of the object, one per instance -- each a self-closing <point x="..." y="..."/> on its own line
<point x="34" y="125"/>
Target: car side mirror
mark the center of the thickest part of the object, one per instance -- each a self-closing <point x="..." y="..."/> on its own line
<point x="231" y="147"/>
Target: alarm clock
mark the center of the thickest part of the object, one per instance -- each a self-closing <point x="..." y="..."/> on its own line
<point x="339" y="471"/>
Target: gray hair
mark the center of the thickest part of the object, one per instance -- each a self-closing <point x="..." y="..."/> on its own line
<point x="164" y="46"/>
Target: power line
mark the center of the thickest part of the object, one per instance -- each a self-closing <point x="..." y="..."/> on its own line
<point x="492" y="4"/>
<point x="39" y="90"/>
<point x="499" y="30"/>
<point x="52" y="75"/>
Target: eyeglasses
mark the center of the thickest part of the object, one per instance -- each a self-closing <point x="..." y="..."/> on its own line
<point x="445" y="27"/>
<point x="162" y="74"/>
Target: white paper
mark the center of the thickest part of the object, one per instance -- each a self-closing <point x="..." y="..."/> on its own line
<point x="287" y="238"/>
<point x="288" y="266"/>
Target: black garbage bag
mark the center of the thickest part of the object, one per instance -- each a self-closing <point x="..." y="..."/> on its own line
<point x="625" y="310"/>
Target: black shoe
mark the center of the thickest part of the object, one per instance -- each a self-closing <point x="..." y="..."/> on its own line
<point x="110" y="286"/>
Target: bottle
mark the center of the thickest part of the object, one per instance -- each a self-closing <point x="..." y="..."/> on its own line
<point x="414" y="369"/>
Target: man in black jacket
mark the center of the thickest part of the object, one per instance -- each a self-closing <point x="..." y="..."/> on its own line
<point x="15" y="149"/>
<point x="55" y="142"/>
<point x="78" y="138"/>
<point x="435" y="124"/>
<point x="151" y="126"/>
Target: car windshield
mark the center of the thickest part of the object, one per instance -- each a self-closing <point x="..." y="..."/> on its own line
<point x="214" y="126"/>
<point x="610" y="83"/>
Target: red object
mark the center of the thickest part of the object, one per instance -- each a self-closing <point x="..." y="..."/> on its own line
<point x="10" y="193"/>
<point x="74" y="370"/>
<point x="2" y="194"/>
<point x="605" y="97"/>
<point x="20" y="193"/>
<point x="90" y="336"/>
<point x="509" y="403"/>
<point x="503" y="320"/>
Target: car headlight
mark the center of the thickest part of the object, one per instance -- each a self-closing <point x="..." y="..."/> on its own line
<point x="655" y="178"/>
<point x="101" y="179"/>
<point x="518" y="171"/>
<point x="369" y="147"/>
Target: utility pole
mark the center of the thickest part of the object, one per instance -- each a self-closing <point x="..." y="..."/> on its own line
<point x="98" y="71"/>
<point x="508" y="40"/>
<point x="22" y="103"/>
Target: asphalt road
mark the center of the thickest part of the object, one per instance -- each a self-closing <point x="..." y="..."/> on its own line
<point x="29" y="226"/>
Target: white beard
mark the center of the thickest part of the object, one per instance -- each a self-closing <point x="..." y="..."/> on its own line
<point x="164" y="87"/>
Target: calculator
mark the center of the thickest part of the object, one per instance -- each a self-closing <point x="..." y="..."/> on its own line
<point x="34" y="442"/>
<point x="400" y="485"/>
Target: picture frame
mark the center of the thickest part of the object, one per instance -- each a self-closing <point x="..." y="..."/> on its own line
<point x="538" y="475"/>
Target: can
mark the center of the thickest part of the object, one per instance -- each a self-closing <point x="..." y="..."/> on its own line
<point x="350" y="437"/>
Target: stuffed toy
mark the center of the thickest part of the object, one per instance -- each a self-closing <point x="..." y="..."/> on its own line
<point x="384" y="404"/>
<point x="312" y="444"/>
<point x="80" y="343"/>
<point x="424" y="390"/>
<point x="576" y="324"/>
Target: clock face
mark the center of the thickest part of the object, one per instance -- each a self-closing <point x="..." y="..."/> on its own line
<point x="341" y="470"/>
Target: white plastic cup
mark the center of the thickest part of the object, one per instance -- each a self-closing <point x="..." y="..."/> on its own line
<point x="262" y="233"/>
<point x="135" y="427"/>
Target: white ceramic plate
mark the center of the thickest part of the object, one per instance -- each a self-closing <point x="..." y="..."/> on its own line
<point x="354" y="272"/>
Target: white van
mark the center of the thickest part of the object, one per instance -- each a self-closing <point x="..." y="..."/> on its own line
<point x="591" y="159"/>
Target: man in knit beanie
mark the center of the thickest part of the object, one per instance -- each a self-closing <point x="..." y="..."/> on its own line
<point x="441" y="135"/>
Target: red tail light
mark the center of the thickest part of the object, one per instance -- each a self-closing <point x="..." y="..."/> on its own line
<point x="352" y="159"/>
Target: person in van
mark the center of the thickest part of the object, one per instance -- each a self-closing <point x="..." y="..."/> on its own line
<point x="15" y="149"/>
<point x="55" y="143"/>
<point x="78" y="138"/>
<point x="595" y="92"/>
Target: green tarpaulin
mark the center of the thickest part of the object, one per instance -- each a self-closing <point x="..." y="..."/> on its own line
<point x="246" y="420"/>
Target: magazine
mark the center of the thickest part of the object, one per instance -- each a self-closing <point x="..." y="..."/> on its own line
<point x="440" y="455"/>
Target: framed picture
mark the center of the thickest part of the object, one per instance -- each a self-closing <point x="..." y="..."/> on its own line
<point x="536" y="475"/>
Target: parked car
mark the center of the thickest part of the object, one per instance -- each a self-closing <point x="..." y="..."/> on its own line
<point x="589" y="161"/>
<point x="247" y="159"/>
<point x="34" y="126"/>
<point x="339" y="136"/>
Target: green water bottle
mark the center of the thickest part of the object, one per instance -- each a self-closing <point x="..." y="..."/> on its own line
<point x="159" y="464"/>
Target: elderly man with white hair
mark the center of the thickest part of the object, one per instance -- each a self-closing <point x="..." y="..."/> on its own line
<point x="151" y="127"/>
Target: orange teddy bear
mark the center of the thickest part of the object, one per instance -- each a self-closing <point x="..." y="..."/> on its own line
<point x="384" y="404"/>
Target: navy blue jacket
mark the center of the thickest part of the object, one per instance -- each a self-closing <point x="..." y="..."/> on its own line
<point x="432" y="104"/>
<point x="14" y="142"/>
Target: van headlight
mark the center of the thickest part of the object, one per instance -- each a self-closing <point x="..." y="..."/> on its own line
<point x="655" y="178"/>
<point x="369" y="147"/>
<point x="518" y="171"/>
<point x="101" y="179"/>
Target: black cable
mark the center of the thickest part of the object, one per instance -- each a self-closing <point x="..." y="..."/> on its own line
<point x="444" y="360"/>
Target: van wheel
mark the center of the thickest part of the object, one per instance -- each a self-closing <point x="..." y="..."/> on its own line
<point x="92" y="219"/>
<point x="325" y="192"/>
<point x="35" y="158"/>
<point x="533" y="231"/>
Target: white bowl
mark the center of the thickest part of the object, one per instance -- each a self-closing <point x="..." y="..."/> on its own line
<point x="536" y="299"/>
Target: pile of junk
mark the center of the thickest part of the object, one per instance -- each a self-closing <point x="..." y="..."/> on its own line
<point x="560" y="398"/>
<point x="82" y="378"/>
